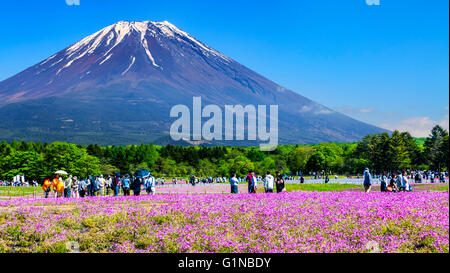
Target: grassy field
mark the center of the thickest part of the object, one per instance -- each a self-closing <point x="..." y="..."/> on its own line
<point x="31" y="192"/>
<point x="334" y="187"/>
<point x="19" y="191"/>
<point x="317" y="187"/>
<point x="433" y="187"/>
<point x="320" y="187"/>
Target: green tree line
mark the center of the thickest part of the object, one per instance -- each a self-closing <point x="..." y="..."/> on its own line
<point x="380" y="152"/>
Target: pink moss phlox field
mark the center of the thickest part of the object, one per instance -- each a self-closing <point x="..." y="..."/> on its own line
<point x="286" y="222"/>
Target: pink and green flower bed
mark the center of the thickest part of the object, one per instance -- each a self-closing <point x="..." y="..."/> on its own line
<point x="286" y="222"/>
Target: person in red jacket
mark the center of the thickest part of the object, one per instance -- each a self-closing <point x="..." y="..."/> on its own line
<point x="116" y="183"/>
<point x="252" y="182"/>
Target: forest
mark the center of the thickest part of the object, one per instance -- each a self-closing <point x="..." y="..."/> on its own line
<point x="379" y="152"/>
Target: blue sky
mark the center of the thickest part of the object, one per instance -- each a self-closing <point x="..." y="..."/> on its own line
<point x="386" y="65"/>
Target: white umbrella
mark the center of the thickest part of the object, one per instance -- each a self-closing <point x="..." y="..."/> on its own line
<point x="61" y="172"/>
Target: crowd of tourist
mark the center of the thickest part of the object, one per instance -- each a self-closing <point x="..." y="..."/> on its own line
<point x="401" y="181"/>
<point x="72" y="186"/>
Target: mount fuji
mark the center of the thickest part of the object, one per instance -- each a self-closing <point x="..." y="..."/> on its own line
<point x="117" y="86"/>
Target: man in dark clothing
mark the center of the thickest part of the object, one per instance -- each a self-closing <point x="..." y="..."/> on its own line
<point x="90" y="187"/>
<point x="192" y="180"/>
<point x="136" y="186"/>
<point x="418" y="178"/>
<point x="367" y="180"/>
<point x="279" y="182"/>
<point x="116" y="185"/>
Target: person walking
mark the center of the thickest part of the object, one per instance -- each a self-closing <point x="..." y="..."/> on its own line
<point x="418" y="178"/>
<point x="392" y="187"/>
<point x="101" y="185"/>
<point x="442" y="177"/>
<point x="67" y="186"/>
<point x="126" y="186"/>
<point x="405" y="182"/>
<point x="252" y="182"/>
<point x="108" y="185"/>
<point x="83" y="187"/>
<point x="90" y="185"/>
<point x="136" y="186"/>
<point x="95" y="187"/>
<point x="367" y="181"/>
<point x="47" y="186"/>
<point x="150" y="185"/>
<point x="383" y="182"/>
<point x="116" y="184"/>
<point x="399" y="181"/>
<point x="75" y="185"/>
<point x="58" y="186"/>
<point x="279" y="181"/>
<point x="234" y="183"/>
<point x="268" y="183"/>
<point x="192" y="180"/>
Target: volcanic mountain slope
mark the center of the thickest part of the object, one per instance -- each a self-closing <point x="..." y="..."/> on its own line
<point x="117" y="86"/>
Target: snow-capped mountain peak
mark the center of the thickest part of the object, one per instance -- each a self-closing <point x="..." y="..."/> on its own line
<point x="103" y="42"/>
<point x="121" y="81"/>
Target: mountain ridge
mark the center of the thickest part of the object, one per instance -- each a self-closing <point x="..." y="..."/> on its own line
<point x="146" y="67"/>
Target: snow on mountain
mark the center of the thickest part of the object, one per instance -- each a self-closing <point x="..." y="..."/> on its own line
<point x="110" y="37"/>
<point x="147" y="67"/>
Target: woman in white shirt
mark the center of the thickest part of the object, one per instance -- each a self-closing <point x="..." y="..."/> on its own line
<point x="406" y="186"/>
<point x="234" y="184"/>
<point x="269" y="183"/>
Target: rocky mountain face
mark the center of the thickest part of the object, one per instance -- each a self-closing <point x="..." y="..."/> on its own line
<point x="117" y="86"/>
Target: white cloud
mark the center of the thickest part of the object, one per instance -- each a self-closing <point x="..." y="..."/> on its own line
<point x="367" y="110"/>
<point x="417" y="126"/>
<point x="317" y="110"/>
<point x="349" y="110"/>
<point x="305" y="109"/>
<point x="323" y="112"/>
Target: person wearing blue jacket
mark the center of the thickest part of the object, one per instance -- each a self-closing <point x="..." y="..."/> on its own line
<point x="399" y="181"/>
<point x="126" y="186"/>
<point x="367" y="180"/>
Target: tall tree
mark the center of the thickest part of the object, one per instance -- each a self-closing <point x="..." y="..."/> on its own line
<point x="298" y="158"/>
<point x="436" y="148"/>
<point x="398" y="153"/>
